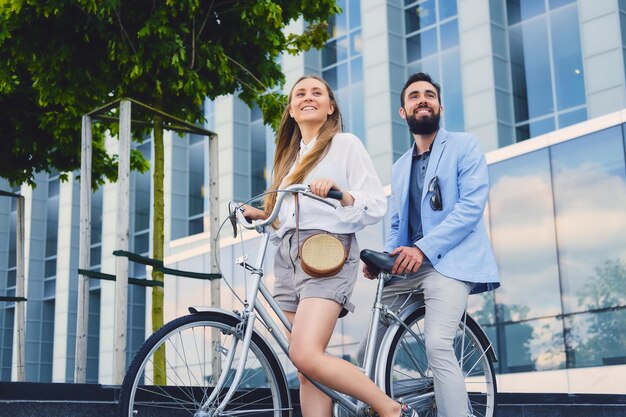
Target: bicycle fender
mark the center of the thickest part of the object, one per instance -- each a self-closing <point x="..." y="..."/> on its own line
<point x="208" y="309"/>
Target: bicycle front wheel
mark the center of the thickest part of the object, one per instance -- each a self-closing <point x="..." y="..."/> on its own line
<point x="409" y="378"/>
<point x="196" y="350"/>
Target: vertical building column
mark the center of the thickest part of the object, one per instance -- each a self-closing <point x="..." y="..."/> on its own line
<point x="175" y="187"/>
<point x="477" y="69"/>
<point x="603" y="56"/>
<point x="224" y="124"/>
<point x="107" y="288"/>
<point x="384" y="76"/>
<point x="66" y="285"/>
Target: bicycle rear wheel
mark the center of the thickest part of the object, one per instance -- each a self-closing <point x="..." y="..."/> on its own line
<point x="193" y="361"/>
<point x="408" y="377"/>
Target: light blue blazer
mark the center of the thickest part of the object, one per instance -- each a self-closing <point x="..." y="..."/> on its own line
<point x="455" y="240"/>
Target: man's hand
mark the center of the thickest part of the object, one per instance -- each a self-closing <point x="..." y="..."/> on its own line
<point x="410" y="258"/>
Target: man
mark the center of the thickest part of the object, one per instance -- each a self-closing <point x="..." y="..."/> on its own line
<point x="439" y="191"/>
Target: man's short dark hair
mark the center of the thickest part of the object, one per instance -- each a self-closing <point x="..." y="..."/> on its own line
<point x="420" y="76"/>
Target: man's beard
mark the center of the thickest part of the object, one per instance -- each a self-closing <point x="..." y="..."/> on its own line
<point x="423" y="125"/>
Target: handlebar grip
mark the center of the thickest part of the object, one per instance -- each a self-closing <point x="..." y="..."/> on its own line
<point x="335" y="194"/>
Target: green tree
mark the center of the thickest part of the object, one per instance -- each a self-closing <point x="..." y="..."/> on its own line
<point x="60" y="59"/>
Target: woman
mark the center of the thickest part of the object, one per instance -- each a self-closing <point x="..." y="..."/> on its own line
<point x="312" y="150"/>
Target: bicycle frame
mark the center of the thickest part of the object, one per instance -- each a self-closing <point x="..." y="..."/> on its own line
<point x="255" y="310"/>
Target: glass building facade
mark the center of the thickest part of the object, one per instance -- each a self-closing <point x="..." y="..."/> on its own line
<point x="513" y="72"/>
<point x="546" y="66"/>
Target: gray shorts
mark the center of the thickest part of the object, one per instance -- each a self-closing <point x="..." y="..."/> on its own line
<point x="293" y="284"/>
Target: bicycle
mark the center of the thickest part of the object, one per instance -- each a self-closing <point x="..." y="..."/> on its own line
<point x="218" y="364"/>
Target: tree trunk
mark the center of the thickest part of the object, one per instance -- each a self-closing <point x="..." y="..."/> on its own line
<point x="158" y="242"/>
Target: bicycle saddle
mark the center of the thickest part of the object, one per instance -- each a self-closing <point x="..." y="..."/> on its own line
<point x="377" y="261"/>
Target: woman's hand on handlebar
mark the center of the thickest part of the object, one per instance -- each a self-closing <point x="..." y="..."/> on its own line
<point x="253" y="213"/>
<point x="321" y="187"/>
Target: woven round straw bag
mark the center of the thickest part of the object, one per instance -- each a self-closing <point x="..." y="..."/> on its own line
<point x="322" y="255"/>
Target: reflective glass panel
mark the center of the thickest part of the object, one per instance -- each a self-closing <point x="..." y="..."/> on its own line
<point x="420" y="15"/>
<point x="452" y="94"/>
<point x="535" y="345"/>
<point x="337" y="23"/>
<point x="49" y="288"/>
<point x="11" y="275"/>
<point x="356" y="43"/>
<point x="96" y="216"/>
<point x="596" y="339"/>
<point x="335" y="51"/>
<point x="196" y="226"/>
<point x="421" y="45"/>
<point x="530" y="60"/>
<point x="523" y="238"/>
<point x="447" y="8"/>
<point x="590" y="195"/>
<point x="50" y="267"/>
<point x="257" y="157"/>
<point x="553" y="4"/>
<point x="95" y="256"/>
<point x="142" y="243"/>
<point x="540" y="127"/>
<point x="330" y="75"/>
<point x="572" y="117"/>
<point x="12" y="261"/>
<point x="568" y="65"/>
<point x="142" y="192"/>
<point x="356" y="70"/>
<point x="449" y="34"/>
<point x="355" y="13"/>
<point x="524" y="9"/>
<point x="196" y="178"/>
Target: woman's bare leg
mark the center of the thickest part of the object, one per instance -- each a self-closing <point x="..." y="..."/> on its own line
<point x="313" y="326"/>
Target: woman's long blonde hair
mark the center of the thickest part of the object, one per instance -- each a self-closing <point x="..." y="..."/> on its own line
<point x="288" y="146"/>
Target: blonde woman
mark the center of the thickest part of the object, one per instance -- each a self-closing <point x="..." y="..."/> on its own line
<point x="311" y="149"/>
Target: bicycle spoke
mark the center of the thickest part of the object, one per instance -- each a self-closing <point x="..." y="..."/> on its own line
<point x="406" y="365"/>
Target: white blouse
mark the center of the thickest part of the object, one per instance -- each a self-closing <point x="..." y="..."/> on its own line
<point x="349" y="165"/>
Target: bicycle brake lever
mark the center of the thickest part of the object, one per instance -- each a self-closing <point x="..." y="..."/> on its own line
<point x="232" y="216"/>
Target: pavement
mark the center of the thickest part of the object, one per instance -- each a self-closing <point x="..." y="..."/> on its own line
<point x="22" y="399"/>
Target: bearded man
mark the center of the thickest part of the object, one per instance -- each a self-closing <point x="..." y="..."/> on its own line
<point x="439" y="191"/>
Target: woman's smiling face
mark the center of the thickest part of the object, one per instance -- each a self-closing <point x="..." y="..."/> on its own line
<point x="310" y="102"/>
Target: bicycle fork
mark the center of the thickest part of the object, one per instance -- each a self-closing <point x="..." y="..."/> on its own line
<point x="246" y="325"/>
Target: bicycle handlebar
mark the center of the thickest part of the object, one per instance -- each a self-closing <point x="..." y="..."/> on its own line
<point x="294" y="188"/>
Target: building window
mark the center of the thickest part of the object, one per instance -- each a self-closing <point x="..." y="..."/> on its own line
<point x="7" y="309"/>
<point x="258" y="140"/>
<point x="592" y="237"/>
<point x="342" y="65"/>
<point x="197" y="152"/>
<point x="432" y="46"/>
<point x="95" y="259"/>
<point x="140" y="244"/>
<point x="49" y="279"/>
<point x="546" y="66"/>
<point x="558" y="233"/>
